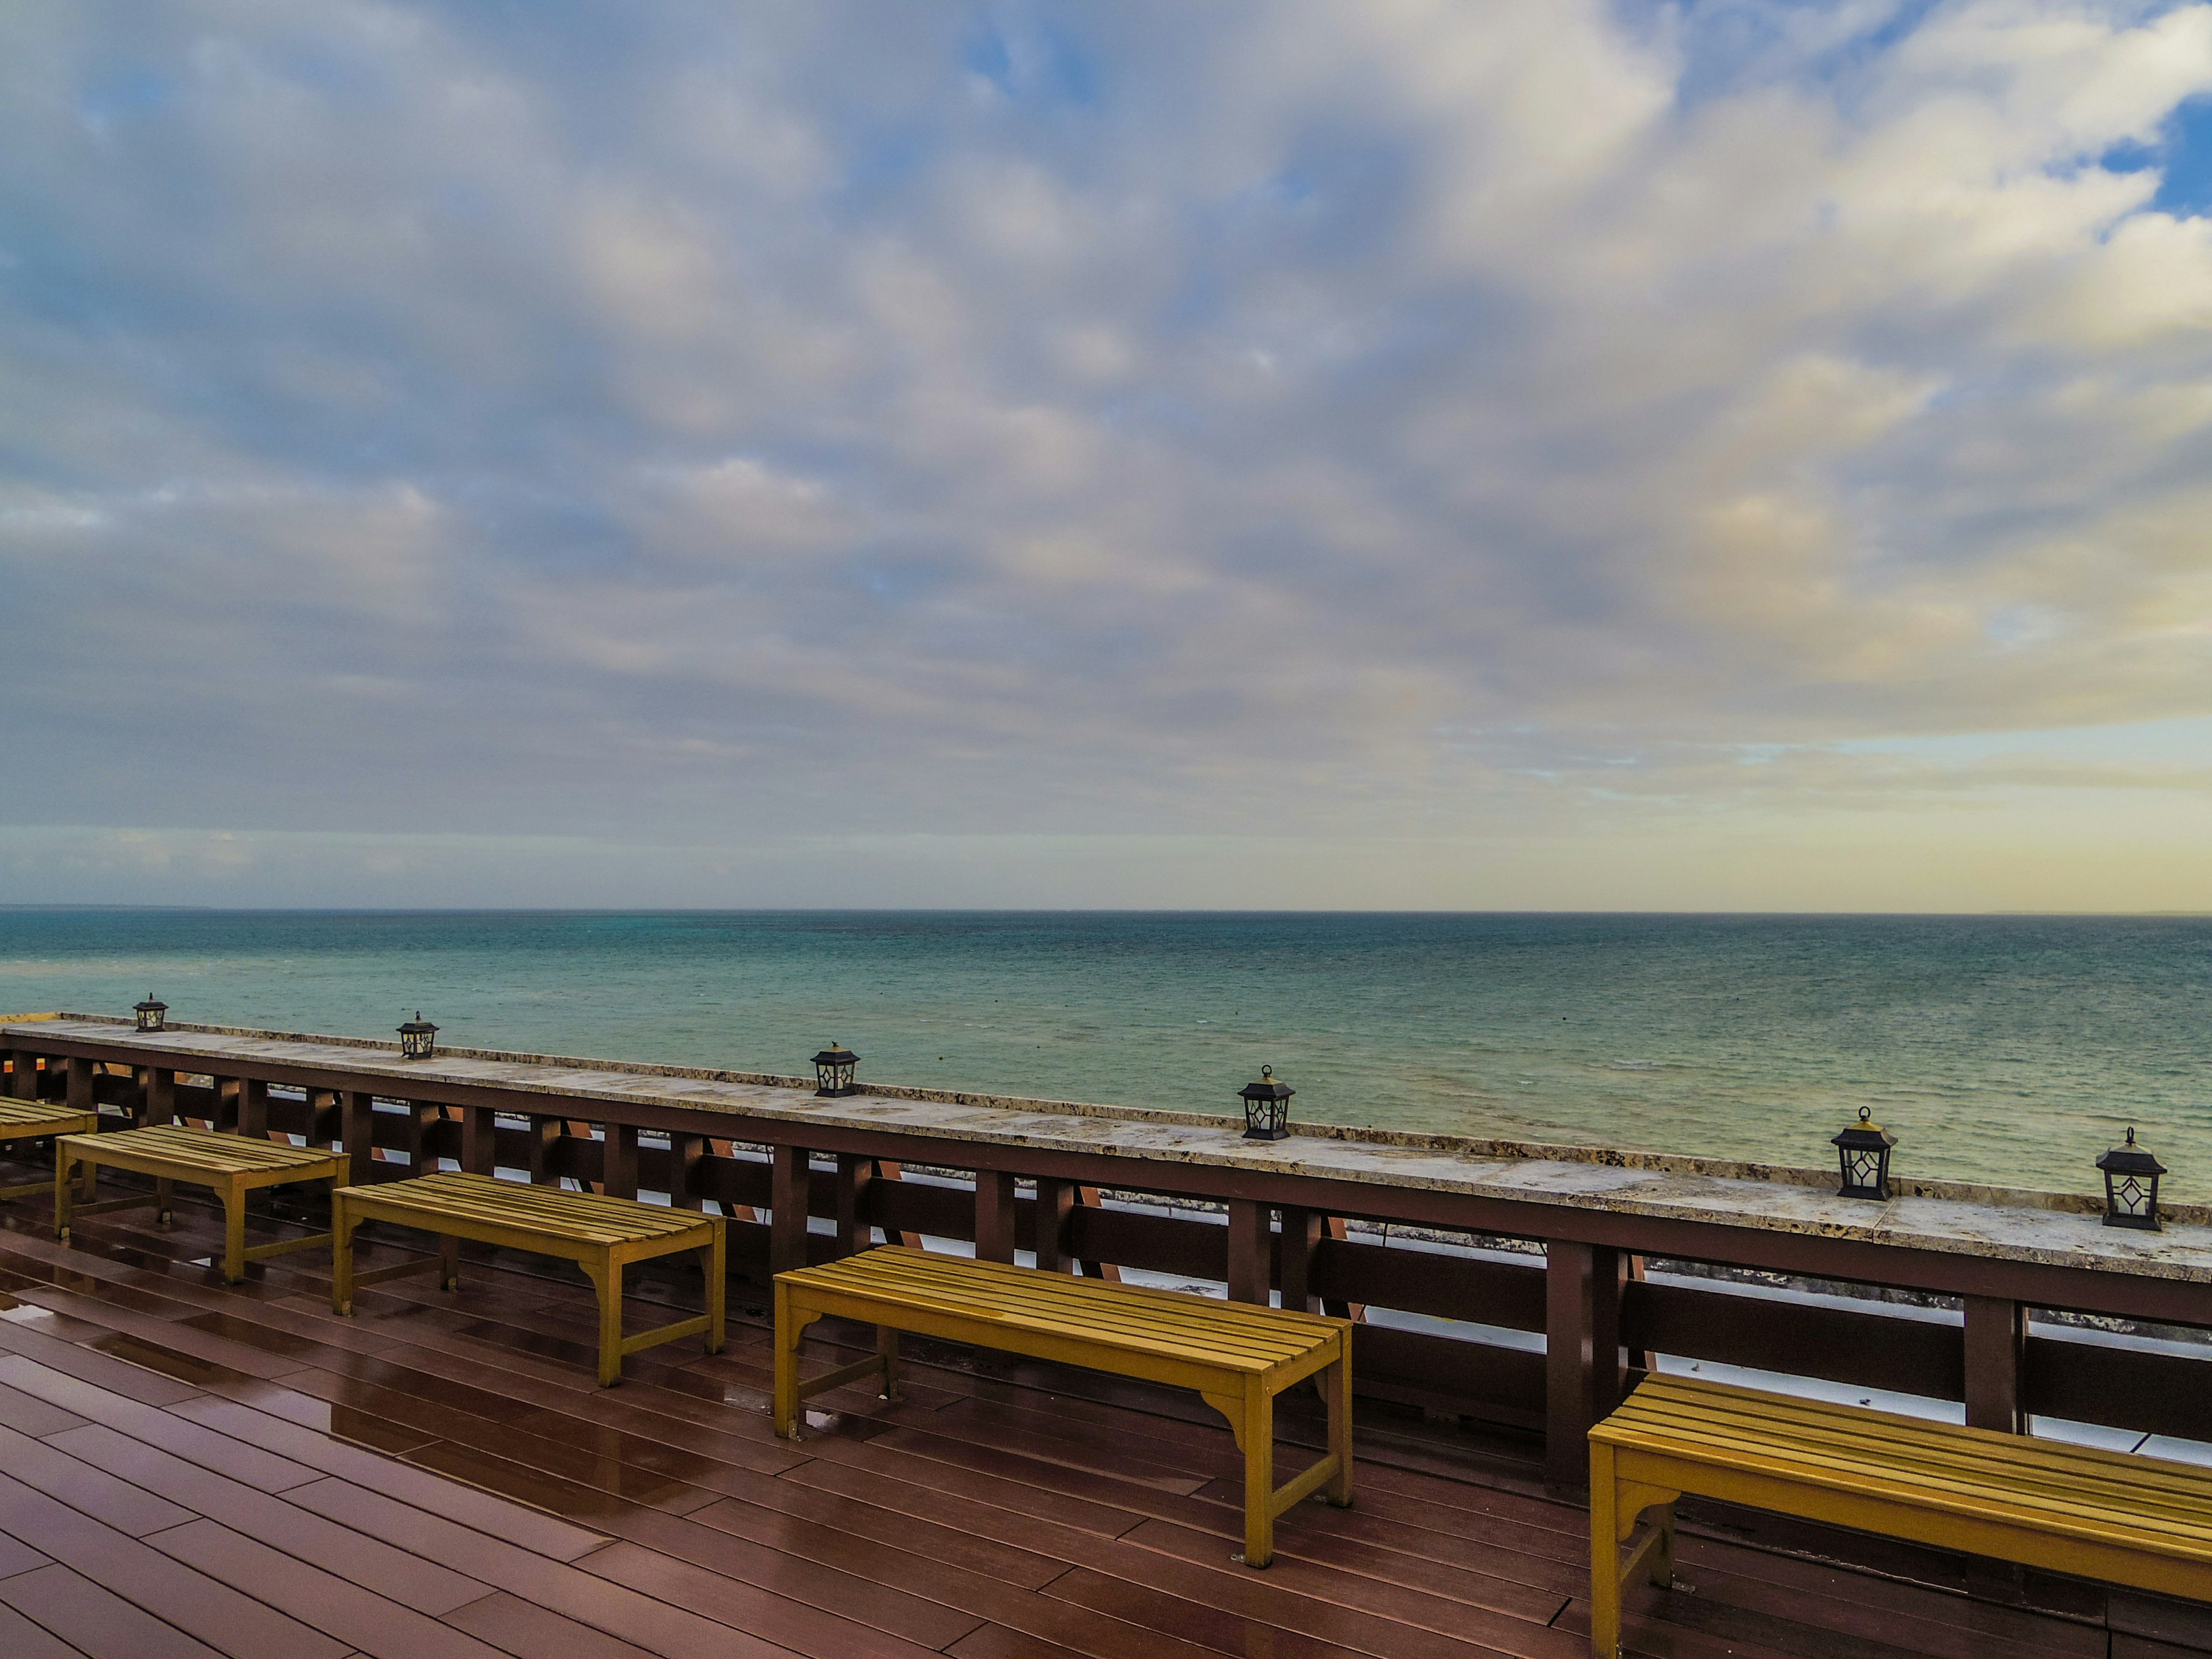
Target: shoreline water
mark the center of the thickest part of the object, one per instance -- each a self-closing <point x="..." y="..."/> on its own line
<point x="2003" y="1052"/>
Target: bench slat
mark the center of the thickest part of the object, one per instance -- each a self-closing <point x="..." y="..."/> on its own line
<point x="22" y="1116"/>
<point x="1101" y="1298"/>
<point x="1129" y="1317"/>
<point x="202" y="1150"/>
<point x="1936" y="1450"/>
<point x="2076" y="1490"/>
<point x="592" y="1217"/>
<point x="2054" y="1510"/>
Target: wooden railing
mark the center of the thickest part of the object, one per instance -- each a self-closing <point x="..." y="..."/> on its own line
<point x="1585" y="1293"/>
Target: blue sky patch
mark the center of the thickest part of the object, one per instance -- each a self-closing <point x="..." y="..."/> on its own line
<point x="2187" y="159"/>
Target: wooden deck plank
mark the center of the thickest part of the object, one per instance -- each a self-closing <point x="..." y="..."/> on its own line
<point x="165" y="1333"/>
<point x="744" y="1606"/>
<point x="103" y="1370"/>
<point x="1189" y="1597"/>
<point x="559" y="1587"/>
<point x="83" y="1616"/>
<point x="357" y="1618"/>
<point x="926" y="1602"/>
<point x="508" y="1621"/>
<point x="495" y="1517"/>
<point x="1102" y="1595"/>
<point x="179" y="1435"/>
<point x="1016" y="1606"/>
<point x="367" y="1562"/>
<point x="615" y="1489"/>
<point x="210" y="1611"/>
<point x="1488" y="1621"/>
<point x="110" y="1501"/>
<point x="340" y="1418"/>
<point x="21" y="1639"/>
<point x="18" y="1557"/>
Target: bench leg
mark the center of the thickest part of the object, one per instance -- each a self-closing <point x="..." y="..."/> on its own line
<point x="165" y="1201"/>
<point x="1339" y="1382"/>
<point x="64" y="1164"/>
<point x="1258" y="1475"/>
<point x="449" y="1262"/>
<point x="790" y="1329"/>
<point x="342" y="1227"/>
<point x="787" y="1366"/>
<point x="1604" y="1557"/>
<point x="887" y="1351"/>
<point x="716" y="1268"/>
<point x="606" y="1275"/>
<point x="234" y="1231"/>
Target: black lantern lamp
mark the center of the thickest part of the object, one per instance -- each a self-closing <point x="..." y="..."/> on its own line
<point x="150" y="1012"/>
<point x="1267" y="1107"/>
<point x="833" y="1071"/>
<point x="2131" y="1186"/>
<point x="1863" y="1151"/>
<point x="418" y="1038"/>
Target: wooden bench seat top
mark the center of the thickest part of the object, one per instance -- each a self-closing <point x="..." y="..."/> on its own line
<point x="25" y="1118"/>
<point x="201" y="1150"/>
<point x="592" y="1218"/>
<point x="2116" y="1499"/>
<point x="1227" y="1336"/>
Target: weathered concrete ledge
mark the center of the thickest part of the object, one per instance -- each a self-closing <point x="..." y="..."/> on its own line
<point x="2051" y="1229"/>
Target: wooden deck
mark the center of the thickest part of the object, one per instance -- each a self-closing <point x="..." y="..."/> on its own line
<point x="189" y="1468"/>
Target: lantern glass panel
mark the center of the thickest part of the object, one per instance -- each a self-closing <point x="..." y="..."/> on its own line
<point x="2129" y="1195"/>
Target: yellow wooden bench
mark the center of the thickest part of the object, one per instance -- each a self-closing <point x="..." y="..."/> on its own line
<point x="40" y="1120"/>
<point x="2114" y="1515"/>
<point x="600" y="1235"/>
<point x="1237" y="1356"/>
<point x="231" y="1165"/>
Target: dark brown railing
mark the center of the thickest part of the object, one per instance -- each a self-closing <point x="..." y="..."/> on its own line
<point x="1585" y="1291"/>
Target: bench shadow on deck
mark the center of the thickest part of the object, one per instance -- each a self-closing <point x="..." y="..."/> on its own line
<point x="187" y="1468"/>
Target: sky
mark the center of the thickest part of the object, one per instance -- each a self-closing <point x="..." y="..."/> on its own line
<point x="1524" y="454"/>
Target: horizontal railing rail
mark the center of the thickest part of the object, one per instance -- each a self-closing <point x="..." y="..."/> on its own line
<point x="1313" y="1242"/>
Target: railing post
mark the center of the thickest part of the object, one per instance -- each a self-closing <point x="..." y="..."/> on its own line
<point x="855" y="1172"/>
<point x="1301" y="1239"/>
<point x="685" y="1153"/>
<point x="23" y="1075"/>
<point x="1996" y="1344"/>
<point x="357" y="1117"/>
<point x="544" y="1134"/>
<point x="157" y="1102"/>
<point x="479" y="1140"/>
<point x="1250" y="1237"/>
<point x="1056" y="1202"/>
<point x="1087" y="1198"/>
<point x="788" y="1180"/>
<point x="1583" y="1357"/>
<point x="421" y="1114"/>
<point x="253" y="1109"/>
<point x="994" y="1215"/>
<point x="618" y="1160"/>
<point x="79" y="1098"/>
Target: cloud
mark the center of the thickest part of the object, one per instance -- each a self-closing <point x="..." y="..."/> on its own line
<point x="683" y="428"/>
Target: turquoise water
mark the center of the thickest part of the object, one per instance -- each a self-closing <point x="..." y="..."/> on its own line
<point x="2006" y="1049"/>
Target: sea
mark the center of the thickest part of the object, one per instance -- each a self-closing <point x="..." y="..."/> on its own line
<point x="2006" y="1049"/>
